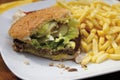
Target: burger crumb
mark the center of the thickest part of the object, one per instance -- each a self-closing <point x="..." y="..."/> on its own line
<point x="60" y="66"/>
<point x="51" y="64"/>
<point x="26" y="62"/>
<point x="67" y="68"/>
<point x="72" y="70"/>
<point x="84" y="66"/>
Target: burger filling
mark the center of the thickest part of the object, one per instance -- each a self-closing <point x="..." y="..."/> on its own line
<point x="54" y="39"/>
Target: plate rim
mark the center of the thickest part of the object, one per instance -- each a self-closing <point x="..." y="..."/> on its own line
<point x="2" y="52"/>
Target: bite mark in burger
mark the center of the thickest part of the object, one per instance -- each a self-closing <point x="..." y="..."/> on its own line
<point x="51" y="33"/>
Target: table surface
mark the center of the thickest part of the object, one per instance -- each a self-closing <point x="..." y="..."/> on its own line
<point x="6" y="74"/>
<point x="4" y="1"/>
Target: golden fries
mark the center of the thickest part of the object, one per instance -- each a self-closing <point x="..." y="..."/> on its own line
<point x="114" y="56"/>
<point x="99" y="29"/>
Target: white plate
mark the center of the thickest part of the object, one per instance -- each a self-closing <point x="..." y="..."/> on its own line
<point x="39" y="68"/>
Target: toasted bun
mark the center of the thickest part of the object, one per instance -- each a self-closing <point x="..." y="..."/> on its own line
<point x="25" y="26"/>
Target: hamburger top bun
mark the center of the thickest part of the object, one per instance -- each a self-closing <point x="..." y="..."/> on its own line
<point x="25" y="26"/>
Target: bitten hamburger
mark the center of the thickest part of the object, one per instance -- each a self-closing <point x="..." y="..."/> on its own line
<point x="50" y="33"/>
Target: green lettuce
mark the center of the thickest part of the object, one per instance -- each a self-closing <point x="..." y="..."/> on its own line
<point x="41" y="40"/>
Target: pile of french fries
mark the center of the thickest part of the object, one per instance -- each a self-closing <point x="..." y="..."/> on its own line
<point x="99" y="29"/>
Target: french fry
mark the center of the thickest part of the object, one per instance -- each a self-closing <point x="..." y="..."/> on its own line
<point x="94" y="21"/>
<point x="82" y="26"/>
<point x="101" y="41"/>
<point x="95" y="46"/>
<point x="90" y="37"/>
<point x="84" y="46"/>
<point x="84" y="33"/>
<point x="110" y="50"/>
<point x="85" y="13"/>
<point x="106" y="28"/>
<point x="100" y="33"/>
<point x="114" y="56"/>
<point x="118" y="38"/>
<point x="86" y="60"/>
<point x="89" y="23"/>
<point x="95" y="56"/>
<point x="105" y="46"/>
<point x="116" y="47"/>
<point x="89" y="47"/>
<point x="102" y="58"/>
<point x="115" y="29"/>
<point x="106" y="8"/>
